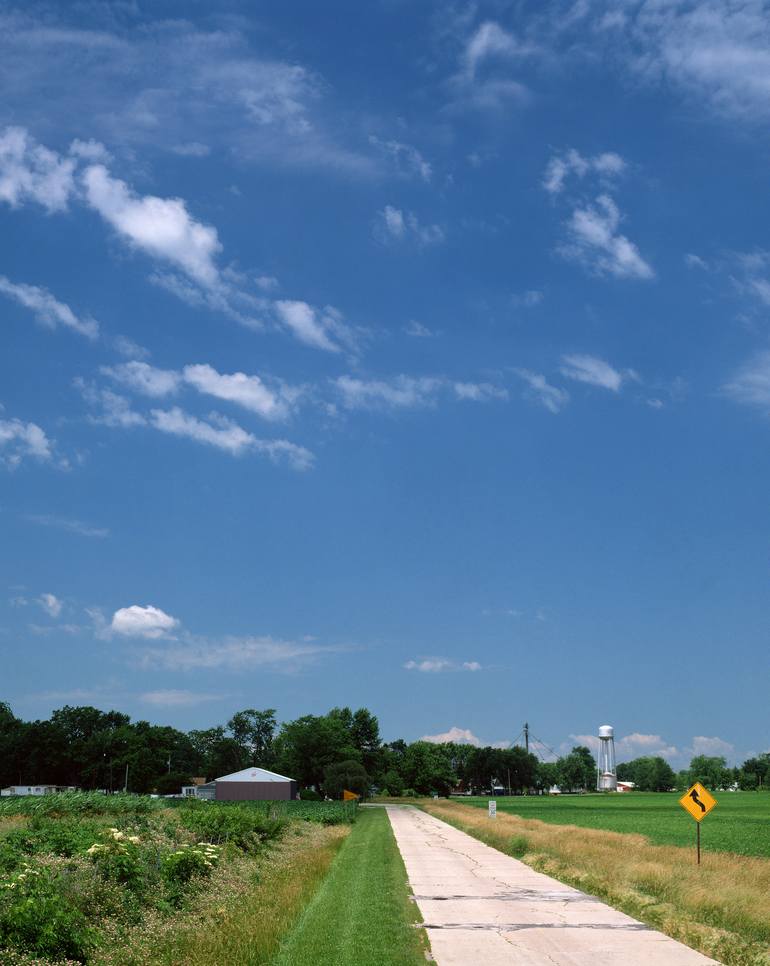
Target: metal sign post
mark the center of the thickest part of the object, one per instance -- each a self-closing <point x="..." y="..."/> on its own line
<point x="697" y="802"/>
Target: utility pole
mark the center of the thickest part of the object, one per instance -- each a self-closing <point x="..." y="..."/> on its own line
<point x="169" y="763"/>
<point x="125" y="787"/>
<point x="526" y="736"/>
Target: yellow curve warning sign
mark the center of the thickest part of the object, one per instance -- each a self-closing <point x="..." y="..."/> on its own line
<point x="698" y="801"/>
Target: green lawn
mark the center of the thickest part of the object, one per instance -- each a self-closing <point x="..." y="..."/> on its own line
<point x="362" y="912"/>
<point x="740" y="822"/>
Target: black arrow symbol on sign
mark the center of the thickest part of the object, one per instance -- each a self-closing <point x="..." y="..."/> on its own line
<point x="698" y="802"/>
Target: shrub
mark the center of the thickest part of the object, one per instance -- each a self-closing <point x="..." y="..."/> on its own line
<point x="410" y="793"/>
<point x="310" y="795"/>
<point x="37" y="918"/>
<point x="177" y="868"/>
<point x="241" y="824"/>
<point x="118" y="858"/>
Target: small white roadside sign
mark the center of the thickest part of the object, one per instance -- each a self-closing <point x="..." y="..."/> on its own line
<point x="492" y="809"/>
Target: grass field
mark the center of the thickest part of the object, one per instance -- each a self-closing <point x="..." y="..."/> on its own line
<point x="740" y="823"/>
<point x="721" y="907"/>
<point x="362" y="912"/>
<point x="129" y="881"/>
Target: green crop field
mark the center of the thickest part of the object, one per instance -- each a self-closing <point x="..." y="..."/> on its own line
<point x="740" y="823"/>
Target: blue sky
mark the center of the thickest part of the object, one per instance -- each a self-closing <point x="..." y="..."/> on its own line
<point x="403" y="355"/>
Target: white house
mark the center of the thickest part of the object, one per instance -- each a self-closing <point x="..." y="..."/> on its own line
<point x="36" y="789"/>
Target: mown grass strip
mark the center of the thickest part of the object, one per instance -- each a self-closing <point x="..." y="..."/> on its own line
<point x="242" y="918"/>
<point x="363" y="912"/>
<point x="721" y="907"/>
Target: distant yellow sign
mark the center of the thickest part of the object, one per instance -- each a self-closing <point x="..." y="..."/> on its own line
<point x="349" y="796"/>
<point x="698" y="801"/>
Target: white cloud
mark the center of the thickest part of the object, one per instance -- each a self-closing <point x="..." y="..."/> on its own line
<point x="714" y="747"/>
<point x="419" y="331"/>
<point x="315" y="328"/>
<point x="488" y="41"/>
<point x="50" y="604"/>
<point x="128" y="348"/>
<point x="406" y="158"/>
<point x="19" y="440"/>
<point x="478" y="391"/>
<point x="561" y="166"/>
<point x="111" y="408"/>
<point x="553" y="398"/>
<point x="399" y="392"/>
<point x="594" y="241"/>
<point x="31" y="172"/>
<point x="394" y="225"/>
<point x="227" y="435"/>
<point x="148" y="622"/>
<point x="236" y="654"/>
<point x="750" y="385"/>
<point x="594" y="371"/>
<point x="161" y="227"/>
<point x="437" y="665"/>
<point x="247" y="391"/>
<point x="459" y="736"/>
<point x="221" y="432"/>
<point x="718" y="51"/>
<point x="47" y="309"/>
<point x="267" y="283"/>
<point x="173" y="698"/>
<point x="695" y="261"/>
<point x="144" y="378"/>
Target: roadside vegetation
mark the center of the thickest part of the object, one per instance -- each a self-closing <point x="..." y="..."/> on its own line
<point x="721" y="907"/>
<point x="83" y="882"/>
<point x="362" y="912"/>
<point x="740" y="823"/>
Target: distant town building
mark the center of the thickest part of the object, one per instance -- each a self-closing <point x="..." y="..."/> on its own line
<point x="625" y="786"/>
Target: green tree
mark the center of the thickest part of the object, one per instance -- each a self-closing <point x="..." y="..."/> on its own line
<point x="577" y="770"/>
<point x="427" y="768"/>
<point x="255" y="731"/>
<point x="350" y="775"/>
<point x="711" y="771"/>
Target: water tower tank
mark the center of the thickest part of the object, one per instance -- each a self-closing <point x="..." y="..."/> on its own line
<point x="606" y="731"/>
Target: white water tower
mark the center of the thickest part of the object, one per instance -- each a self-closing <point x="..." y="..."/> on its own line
<point x="606" y="773"/>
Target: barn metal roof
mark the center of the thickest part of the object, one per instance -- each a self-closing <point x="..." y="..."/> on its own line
<point x="254" y="775"/>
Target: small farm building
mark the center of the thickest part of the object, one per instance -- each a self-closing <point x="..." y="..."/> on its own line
<point x="250" y="785"/>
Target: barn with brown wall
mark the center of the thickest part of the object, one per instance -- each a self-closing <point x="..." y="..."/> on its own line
<point x="255" y="785"/>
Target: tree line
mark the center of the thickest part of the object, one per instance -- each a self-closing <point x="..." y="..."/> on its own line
<point x="89" y="748"/>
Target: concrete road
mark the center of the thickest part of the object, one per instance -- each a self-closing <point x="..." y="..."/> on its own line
<point x="480" y="906"/>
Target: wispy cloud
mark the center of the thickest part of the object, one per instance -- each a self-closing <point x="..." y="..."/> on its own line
<point x="50" y="604"/>
<point x="47" y="309"/>
<point x="236" y="654"/>
<point x="70" y="526"/>
<point x="405" y="158"/>
<point x="175" y="698"/>
<point x="439" y="665"/>
<point x="594" y="372"/>
<point x="572" y="163"/>
<point x="392" y="225"/>
<point x="540" y="390"/>
<point x="750" y="385"/>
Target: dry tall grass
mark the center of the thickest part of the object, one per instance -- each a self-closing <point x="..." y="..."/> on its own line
<point x="721" y="907"/>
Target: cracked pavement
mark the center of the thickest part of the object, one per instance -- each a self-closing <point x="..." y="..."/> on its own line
<point x="481" y="906"/>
